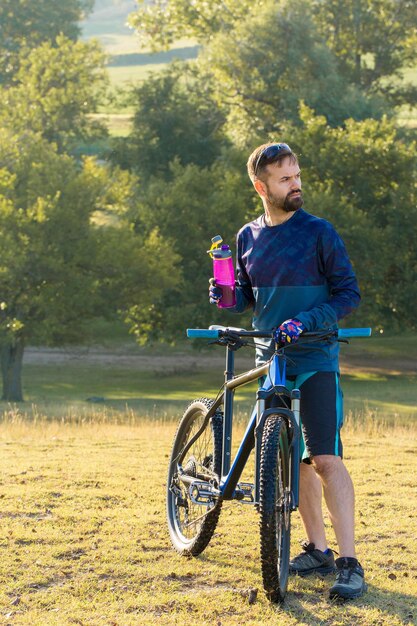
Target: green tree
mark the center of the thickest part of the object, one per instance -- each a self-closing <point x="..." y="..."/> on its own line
<point x="261" y="65"/>
<point x="57" y="85"/>
<point x="175" y="117"/>
<point x="374" y="40"/>
<point x="27" y="24"/>
<point x="57" y="267"/>
<point x="269" y="62"/>
<point x="160" y="23"/>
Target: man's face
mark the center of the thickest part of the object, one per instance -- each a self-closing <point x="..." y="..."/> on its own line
<point x="283" y="185"/>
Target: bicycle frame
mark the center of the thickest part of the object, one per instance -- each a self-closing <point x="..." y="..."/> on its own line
<point x="274" y="385"/>
<point x="274" y="370"/>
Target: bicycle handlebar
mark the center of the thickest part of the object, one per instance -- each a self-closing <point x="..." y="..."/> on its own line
<point x="202" y="333"/>
<point x="216" y="333"/>
<point x="346" y="333"/>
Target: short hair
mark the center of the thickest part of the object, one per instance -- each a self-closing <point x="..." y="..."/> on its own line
<point x="254" y="164"/>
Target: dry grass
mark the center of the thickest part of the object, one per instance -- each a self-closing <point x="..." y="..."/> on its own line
<point x="84" y="538"/>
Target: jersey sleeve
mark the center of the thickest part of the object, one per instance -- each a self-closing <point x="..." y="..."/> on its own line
<point x="344" y="295"/>
<point x="244" y="293"/>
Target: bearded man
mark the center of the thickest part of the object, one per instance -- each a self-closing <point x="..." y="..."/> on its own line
<point x="294" y="272"/>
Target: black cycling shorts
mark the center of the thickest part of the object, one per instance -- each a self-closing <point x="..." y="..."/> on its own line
<point x="321" y="413"/>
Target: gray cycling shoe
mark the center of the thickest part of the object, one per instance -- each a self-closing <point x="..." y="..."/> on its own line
<point x="350" y="580"/>
<point x="312" y="561"/>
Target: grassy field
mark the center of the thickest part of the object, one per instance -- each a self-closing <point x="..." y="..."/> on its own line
<point x="379" y="379"/>
<point x="84" y="538"/>
<point x="83" y="534"/>
<point x="60" y="389"/>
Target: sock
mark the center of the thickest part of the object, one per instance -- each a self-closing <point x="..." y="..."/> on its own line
<point x="346" y="561"/>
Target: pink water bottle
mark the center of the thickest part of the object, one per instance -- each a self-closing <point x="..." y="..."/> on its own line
<point x="223" y="272"/>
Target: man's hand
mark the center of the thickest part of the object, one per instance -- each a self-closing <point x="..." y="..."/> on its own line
<point x="289" y="331"/>
<point x="215" y="292"/>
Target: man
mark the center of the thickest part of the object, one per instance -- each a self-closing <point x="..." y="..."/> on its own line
<point x="294" y="271"/>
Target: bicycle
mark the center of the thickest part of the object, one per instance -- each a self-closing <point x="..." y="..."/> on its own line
<point x="201" y="474"/>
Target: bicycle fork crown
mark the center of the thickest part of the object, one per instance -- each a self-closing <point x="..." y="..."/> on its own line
<point x="276" y="376"/>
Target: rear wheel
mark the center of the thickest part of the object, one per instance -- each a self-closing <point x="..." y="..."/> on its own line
<point x="275" y="508"/>
<point x="191" y="525"/>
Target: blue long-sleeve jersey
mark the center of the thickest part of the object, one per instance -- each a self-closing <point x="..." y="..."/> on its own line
<point x="298" y="269"/>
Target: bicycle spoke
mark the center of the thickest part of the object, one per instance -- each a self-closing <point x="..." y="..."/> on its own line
<point x="198" y="446"/>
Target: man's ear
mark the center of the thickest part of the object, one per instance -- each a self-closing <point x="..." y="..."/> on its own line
<point x="260" y="187"/>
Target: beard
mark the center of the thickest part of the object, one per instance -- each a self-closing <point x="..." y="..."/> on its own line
<point x="293" y="203"/>
<point x="287" y="204"/>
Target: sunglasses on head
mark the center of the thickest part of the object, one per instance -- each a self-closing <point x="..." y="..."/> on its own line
<point x="271" y="152"/>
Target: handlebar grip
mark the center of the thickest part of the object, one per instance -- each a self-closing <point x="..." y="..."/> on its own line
<point x="347" y="333"/>
<point x="203" y="333"/>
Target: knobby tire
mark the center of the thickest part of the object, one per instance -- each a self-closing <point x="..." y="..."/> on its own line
<point x="275" y="508"/>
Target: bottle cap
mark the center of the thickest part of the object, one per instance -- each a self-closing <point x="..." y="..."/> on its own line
<point x="221" y="253"/>
<point x="215" y="245"/>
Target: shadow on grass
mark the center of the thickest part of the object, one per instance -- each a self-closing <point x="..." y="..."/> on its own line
<point x="306" y="599"/>
<point x="389" y="604"/>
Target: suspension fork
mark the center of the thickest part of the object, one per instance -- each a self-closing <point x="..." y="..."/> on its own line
<point x="295" y="433"/>
<point x="275" y="383"/>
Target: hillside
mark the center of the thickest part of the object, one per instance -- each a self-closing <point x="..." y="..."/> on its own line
<point x="108" y="23"/>
<point x="128" y="61"/>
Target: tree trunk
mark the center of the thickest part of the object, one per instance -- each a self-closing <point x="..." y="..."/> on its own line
<point x="11" y="369"/>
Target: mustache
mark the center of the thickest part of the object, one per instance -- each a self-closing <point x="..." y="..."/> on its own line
<point x="293" y="191"/>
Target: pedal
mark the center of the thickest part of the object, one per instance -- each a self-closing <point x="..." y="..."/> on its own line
<point x="248" y="490"/>
<point x="203" y="493"/>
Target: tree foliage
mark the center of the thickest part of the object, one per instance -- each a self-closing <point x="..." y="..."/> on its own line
<point x="175" y="117"/>
<point x="160" y="22"/>
<point x="57" y="85"/>
<point x="68" y="250"/>
<point x="261" y="79"/>
<point x="26" y="24"/>
<point x="342" y="61"/>
<point x="373" y="41"/>
<point x="78" y="239"/>
<point x="58" y="268"/>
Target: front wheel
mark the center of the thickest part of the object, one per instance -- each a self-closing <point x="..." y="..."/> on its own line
<point x="275" y="507"/>
<point x="191" y="525"/>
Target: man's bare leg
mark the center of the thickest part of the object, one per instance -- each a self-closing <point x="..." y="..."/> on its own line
<point x="310" y="506"/>
<point x="340" y="500"/>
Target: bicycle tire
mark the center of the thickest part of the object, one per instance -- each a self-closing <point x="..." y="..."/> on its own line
<point x="275" y="508"/>
<point x="191" y="526"/>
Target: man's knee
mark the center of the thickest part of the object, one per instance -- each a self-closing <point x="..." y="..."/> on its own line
<point x="326" y="464"/>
